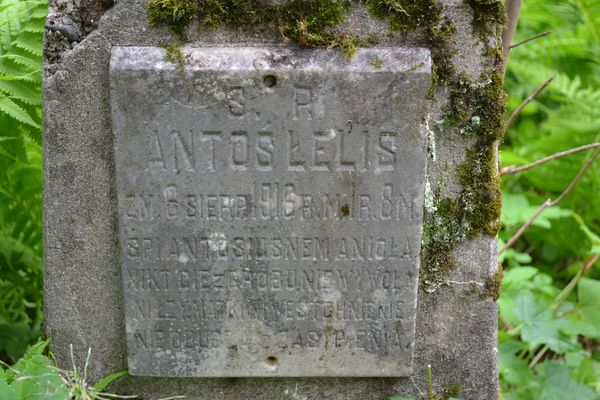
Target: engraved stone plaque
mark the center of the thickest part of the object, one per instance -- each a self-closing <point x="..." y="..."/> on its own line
<point x="270" y="209"/>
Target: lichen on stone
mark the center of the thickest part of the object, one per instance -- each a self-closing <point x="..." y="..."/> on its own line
<point x="476" y="111"/>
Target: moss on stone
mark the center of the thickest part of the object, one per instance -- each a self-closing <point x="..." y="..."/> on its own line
<point x="477" y="111"/>
<point x="445" y="394"/>
<point x="478" y="174"/>
<point x="405" y="15"/>
<point x="377" y="62"/>
<point x="174" y="55"/>
<point x="373" y="39"/>
<point x="175" y="14"/>
<point x="442" y="231"/>
<point x="452" y="391"/>
<point x="311" y="22"/>
<point x="349" y="45"/>
<point x="493" y="285"/>
<point x="307" y="22"/>
<point x="489" y="17"/>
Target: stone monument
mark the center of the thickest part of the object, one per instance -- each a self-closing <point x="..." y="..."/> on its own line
<point x="274" y="199"/>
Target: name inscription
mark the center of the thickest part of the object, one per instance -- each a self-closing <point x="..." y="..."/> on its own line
<point x="269" y="220"/>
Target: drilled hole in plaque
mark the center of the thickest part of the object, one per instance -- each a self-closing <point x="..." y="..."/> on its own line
<point x="270" y="81"/>
<point x="272" y="362"/>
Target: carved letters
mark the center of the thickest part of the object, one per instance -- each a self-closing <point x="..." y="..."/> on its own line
<point x="266" y="214"/>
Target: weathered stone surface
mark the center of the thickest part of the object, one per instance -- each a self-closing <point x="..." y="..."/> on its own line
<point x="83" y="298"/>
<point x="270" y="222"/>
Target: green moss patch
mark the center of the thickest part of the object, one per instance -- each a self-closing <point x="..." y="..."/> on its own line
<point x="307" y="22"/>
<point x="476" y="110"/>
<point x="493" y="285"/>
<point x="175" y="56"/>
<point x="489" y="17"/>
<point x="176" y="14"/>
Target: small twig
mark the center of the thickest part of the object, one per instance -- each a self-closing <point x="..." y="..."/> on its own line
<point x="541" y="35"/>
<point x="539" y="356"/>
<point x="550" y="203"/>
<point x="528" y="100"/>
<point x="517" y="235"/>
<point x="582" y="172"/>
<point x="513" y="170"/>
<point x="560" y="299"/>
<point x="588" y="265"/>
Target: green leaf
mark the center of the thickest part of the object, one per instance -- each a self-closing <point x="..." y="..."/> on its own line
<point x="516" y="210"/>
<point x="14" y="338"/>
<point x="30" y="43"/>
<point x="18" y="90"/>
<point x="539" y="325"/>
<point x="6" y="154"/>
<point x="107" y="380"/>
<point x="558" y="385"/>
<point x="588" y="304"/>
<point x="7" y="392"/>
<point x="518" y="276"/>
<point x="40" y="379"/>
<point x="12" y="109"/>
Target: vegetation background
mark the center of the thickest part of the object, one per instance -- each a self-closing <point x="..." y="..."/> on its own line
<point x="549" y="339"/>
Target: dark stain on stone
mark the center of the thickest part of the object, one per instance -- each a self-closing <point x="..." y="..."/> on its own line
<point x="92" y="11"/>
<point x="345" y="210"/>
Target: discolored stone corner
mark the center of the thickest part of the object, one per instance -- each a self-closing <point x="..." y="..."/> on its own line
<point x="68" y="23"/>
<point x="92" y="11"/>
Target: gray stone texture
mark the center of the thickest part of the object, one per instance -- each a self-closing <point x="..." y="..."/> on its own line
<point x="455" y="325"/>
<point x="270" y="209"/>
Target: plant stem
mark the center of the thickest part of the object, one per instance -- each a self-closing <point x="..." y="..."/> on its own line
<point x="538" y="36"/>
<point x="528" y="100"/>
<point x="562" y="296"/>
<point x="514" y="170"/>
<point x="539" y="356"/>
<point x="430" y="376"/>
<point x="551" y="203"/>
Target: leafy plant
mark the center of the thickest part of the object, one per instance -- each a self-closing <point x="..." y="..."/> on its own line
<point x="35" y="376"/>
<point x="21" y="31"/>
<point x="550" y="303"/>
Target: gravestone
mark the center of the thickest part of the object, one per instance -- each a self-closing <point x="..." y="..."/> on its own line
<point x="246" y="207"/>
<point x="270" y="223"/>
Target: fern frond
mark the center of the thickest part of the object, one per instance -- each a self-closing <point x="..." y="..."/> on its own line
<point x="11" y="72"/>
<point x="13" y="110"/>
<point x="29" y="42"/>
<point x="17" y="90"/>
<point x="24" y="60"/>
<point x="34" y="25"/>
<point x="590" y="10"/>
